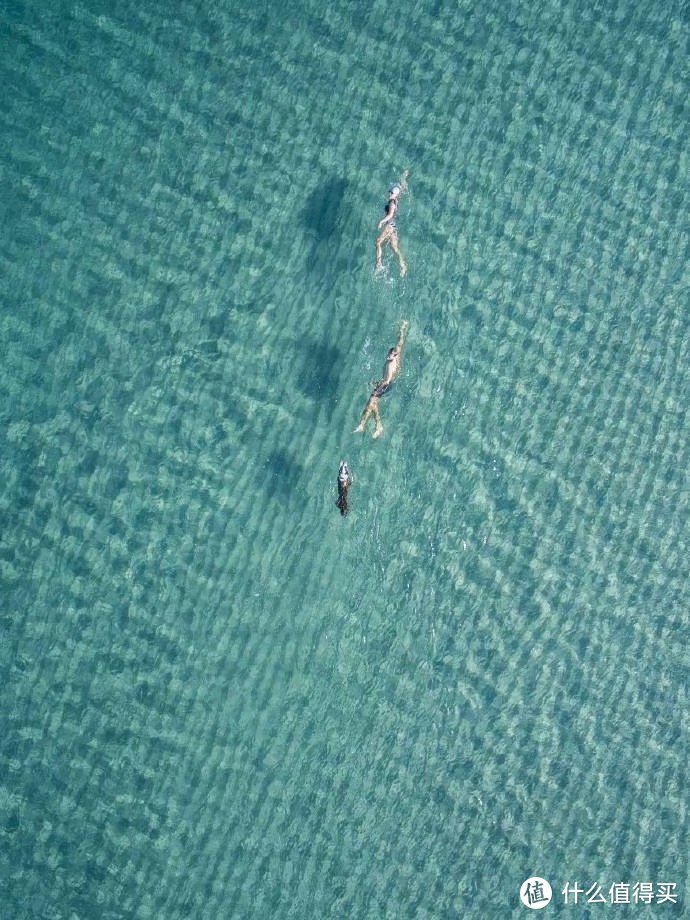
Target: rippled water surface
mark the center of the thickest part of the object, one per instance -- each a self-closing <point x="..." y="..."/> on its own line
<point x="220" y="698"/>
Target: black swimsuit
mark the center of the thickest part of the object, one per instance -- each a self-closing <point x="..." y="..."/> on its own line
<point x="392" y="202"/>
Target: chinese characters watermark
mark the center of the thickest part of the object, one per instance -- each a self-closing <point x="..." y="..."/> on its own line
<point x="536" y="893"/>
<point x="621" y="893"/>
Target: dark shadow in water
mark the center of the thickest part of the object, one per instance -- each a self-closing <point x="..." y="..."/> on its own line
<point x="221" y="325"/>
<point x="321" y="215"/>
<point x="280" y="475"/>
<point x="322" y="208"/>
<point x="319" y="372"/>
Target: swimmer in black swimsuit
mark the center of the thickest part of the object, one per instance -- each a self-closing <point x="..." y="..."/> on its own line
<point x="389" y="233"/>
<point x="390" y="372"/>
<point x="344" y="483"/>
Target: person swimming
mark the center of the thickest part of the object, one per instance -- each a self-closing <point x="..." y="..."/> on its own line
<point x="344" y="483"/>
<point x="390" y="372"/>
<point x="389" y="227"/>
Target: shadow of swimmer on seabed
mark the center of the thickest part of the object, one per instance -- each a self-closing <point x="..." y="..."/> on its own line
<point x="344" y="483"/>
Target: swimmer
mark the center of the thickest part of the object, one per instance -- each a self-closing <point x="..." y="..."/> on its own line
<point x="390" y="372"/>
<point x="389" y="227"/>
<point x="344" y="483"/>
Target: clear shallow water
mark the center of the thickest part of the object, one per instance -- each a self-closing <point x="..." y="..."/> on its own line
<point x="221" y="699"/>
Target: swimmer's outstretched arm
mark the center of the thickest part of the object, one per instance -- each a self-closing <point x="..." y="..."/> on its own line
<point x="404" y="326"/>
<point x="402" y="182"/>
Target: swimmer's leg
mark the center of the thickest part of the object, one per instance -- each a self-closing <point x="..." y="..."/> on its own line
<point x="382" y="237"/>
<point x="396" y="250"/>
<point x="364" y="419"/>
<point x="378" y="430"/>
<point x="379" y="255"/>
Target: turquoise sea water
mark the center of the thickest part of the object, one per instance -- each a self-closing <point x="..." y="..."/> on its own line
<point x="221" y="699"/>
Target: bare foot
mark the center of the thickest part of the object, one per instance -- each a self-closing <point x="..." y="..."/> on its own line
<point x="359" y="428"/>
<point x="403" y="269"/>
<point x="378" y="431"/>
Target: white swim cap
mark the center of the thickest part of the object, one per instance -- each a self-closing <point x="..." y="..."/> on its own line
<point x="395" y="191"/>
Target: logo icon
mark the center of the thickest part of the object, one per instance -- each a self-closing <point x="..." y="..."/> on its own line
<point x="535" y="893"/>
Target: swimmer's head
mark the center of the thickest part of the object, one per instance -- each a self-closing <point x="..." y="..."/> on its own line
<point x="395" y="191"/>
